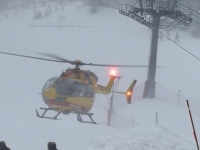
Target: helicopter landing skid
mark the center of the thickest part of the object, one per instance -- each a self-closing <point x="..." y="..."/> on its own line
<point x="79" y="118"/>
<point x="45" y="110"/>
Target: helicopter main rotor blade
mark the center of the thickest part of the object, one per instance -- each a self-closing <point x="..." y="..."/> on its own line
<point x="106" y="65"/>
<point x="63" y="60"/>
<point x="63" y="26"/>
<point x="54" y="56"/>
<point x="86" y="64"/>
<point x="60" y="61"/>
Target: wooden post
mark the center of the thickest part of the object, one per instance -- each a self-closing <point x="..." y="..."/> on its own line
<point x="156" y="118"/>
<point x="111" y="103"/>
<point x="194" y="132"/>
<point x="199" y="108"/>
<point x="179" y="95"/>
<point x="132" y="121"/>
<point x="110" y="110"/>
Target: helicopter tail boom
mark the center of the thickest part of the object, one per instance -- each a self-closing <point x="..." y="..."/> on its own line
<point x="107" y="89"/>
<point x="110" y="83"/>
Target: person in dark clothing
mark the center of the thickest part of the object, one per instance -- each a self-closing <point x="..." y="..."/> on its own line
<point x="51" y="146"/>
<point x="3" y="146"/>
<point x="177" y="38"/>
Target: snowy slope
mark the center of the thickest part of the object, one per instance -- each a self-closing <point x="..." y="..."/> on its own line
<point x="143" y="137"/>
<point x="114" y="40"/>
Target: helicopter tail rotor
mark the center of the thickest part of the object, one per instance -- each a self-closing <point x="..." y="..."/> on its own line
<point x="129" y="92"/>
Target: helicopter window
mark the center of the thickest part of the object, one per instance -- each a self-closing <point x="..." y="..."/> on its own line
<point x="89" y="91"/>
<point x="49" y="83"/>
<point x="63" y="86"/>
<point x="81" y="90"/>
<point x="75" y="89"/>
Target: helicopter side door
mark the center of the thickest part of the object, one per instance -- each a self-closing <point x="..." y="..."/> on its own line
<point x="82" y="90"/>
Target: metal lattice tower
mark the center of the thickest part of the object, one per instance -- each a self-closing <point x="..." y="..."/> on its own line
<point x="148" y="13"/>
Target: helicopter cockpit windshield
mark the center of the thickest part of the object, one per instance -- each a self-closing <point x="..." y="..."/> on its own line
<point x="73" y="88"/>
<point x="50" y="83"/>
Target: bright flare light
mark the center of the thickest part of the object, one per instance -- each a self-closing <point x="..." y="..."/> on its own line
<point x="128" y="93"/>
<point x="113" y="72"/>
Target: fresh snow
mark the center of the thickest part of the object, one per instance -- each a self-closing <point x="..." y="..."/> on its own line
<point x="143" y="137"/>
<point x="115" y="39"/>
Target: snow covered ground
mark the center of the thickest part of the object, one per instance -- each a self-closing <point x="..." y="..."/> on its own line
<point x="143" y="137"/>
<point x="115" y="39"/>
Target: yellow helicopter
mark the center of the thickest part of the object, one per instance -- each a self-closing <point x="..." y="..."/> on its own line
<point x="74" y="90"/>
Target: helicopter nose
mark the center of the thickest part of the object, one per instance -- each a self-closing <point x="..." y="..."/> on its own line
<point x="50" y="93"/>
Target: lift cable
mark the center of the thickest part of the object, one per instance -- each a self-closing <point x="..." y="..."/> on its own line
<point x="190" y="9"/>
<point x="191" y="13"/>
<point x="196" y="21"/>
<point x="103" y="4"/>
<point x="175" y="43"/>
<point x="159" y="33"/>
